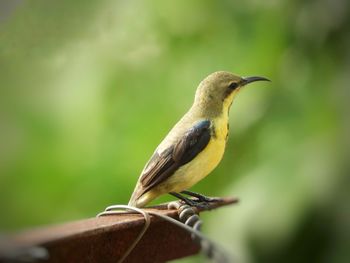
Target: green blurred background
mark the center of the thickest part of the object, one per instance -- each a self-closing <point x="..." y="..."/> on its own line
<point x="89" y="88"/>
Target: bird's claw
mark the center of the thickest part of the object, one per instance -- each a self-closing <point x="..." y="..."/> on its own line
<point x="196" y="203"/>
<point x="208" y="199"/>
<point x="201" y="198"/>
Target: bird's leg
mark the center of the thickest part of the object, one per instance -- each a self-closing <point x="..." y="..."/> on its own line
<point x="201" y="198"/>
<point x="185" y="199"/>
<point x="190" y="202"/>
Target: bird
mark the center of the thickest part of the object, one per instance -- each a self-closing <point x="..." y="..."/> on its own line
<point x="195" y="145"/>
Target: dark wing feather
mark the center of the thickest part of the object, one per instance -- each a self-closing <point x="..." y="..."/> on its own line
<point x="162" y="166"/>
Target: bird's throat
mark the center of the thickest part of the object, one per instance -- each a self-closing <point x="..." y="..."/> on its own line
<point x="228" y="102"/>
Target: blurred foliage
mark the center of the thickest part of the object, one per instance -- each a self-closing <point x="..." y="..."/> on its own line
<point x="89" y="88"/>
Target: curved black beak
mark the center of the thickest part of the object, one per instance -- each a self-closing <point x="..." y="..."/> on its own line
<point x="248" y="80"/>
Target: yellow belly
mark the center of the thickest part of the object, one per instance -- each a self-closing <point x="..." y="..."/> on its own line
<point x="194" y="171"/>
<point x="191" y="173"/>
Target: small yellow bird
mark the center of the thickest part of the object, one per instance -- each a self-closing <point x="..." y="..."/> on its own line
<point x="195" y="145"/>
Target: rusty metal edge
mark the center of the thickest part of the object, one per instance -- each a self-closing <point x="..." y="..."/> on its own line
<point x="104" y="239"/>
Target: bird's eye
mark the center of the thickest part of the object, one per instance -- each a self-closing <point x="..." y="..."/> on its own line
<point x="233" y="85"/>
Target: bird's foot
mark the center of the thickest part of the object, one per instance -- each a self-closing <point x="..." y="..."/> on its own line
<point x="198" y="203"/>
<point x="202" y="198"/>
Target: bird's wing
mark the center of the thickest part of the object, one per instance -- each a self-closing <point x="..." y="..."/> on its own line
<point x="162" y="165"/>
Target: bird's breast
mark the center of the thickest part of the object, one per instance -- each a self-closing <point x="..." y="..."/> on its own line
<point x="204" y="162"/>
<point x="220" y="128"/>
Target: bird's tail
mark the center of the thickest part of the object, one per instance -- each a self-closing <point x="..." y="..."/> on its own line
<point x="133" y="200"/>
<point x="135" y="197"/>
<point x="140" y="199"/>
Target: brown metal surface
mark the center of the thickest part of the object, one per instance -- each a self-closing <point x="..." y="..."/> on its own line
<point x="105" y="239"/>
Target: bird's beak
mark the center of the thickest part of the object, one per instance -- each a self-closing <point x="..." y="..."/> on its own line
<point x="248" y="80"/>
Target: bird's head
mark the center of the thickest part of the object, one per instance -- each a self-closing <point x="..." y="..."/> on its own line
<point x="216" y="92"/>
